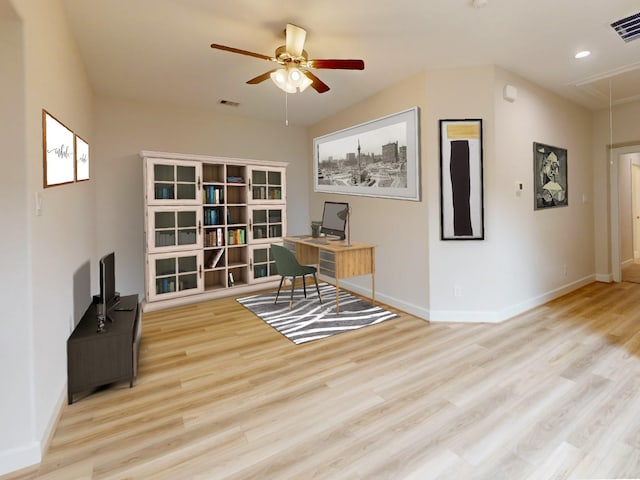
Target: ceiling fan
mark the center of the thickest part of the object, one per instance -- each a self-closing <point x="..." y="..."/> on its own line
<point x="293" y="73"/>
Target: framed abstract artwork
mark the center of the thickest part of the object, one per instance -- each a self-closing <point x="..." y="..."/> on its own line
<point x="58" y="151"/>
<point x="379" y="158"/>
<point x="461" y="182"/>
<point x="550" y="176"/>
<point x="82" y="159"/>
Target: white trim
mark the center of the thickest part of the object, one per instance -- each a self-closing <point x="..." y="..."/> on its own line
<point x="19" y="458"/>
<point x="614" y="208"/>
<point x="207" y="158"/>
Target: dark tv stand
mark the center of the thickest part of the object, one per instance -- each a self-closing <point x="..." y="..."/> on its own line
<point x="95" y="359"/>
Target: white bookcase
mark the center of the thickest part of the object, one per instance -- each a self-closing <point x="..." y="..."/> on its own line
<point x="209" y="224"/>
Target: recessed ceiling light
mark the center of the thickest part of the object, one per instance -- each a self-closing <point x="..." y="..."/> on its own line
<point x="583" y="54"/>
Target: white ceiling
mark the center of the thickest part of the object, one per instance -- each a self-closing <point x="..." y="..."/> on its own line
<point x="159" y="50"/>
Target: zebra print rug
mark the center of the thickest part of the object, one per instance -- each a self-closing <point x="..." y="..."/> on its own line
<point x="308" y="319"/>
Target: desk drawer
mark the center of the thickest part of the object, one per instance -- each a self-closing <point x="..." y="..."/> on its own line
<point x="327" y="263"/>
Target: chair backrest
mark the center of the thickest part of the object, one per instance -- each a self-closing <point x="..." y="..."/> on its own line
<point x="286" y="262"/>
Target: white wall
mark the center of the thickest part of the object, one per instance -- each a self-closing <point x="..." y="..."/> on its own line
<point x="466" y="265"/>
<point x="124" y="128"/>
<point x="398" y="228"/>
<point x="543" y="253"/>
<point x="55" y="246"/>
<point x="15" y="328"/>
<point x="525" y="258"/>
<point x="622" y="131"/>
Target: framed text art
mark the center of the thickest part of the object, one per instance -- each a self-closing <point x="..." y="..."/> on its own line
<point x="550" y="176"/>
<point x="82" y="159"/>
<point x="461" y="189"/>
<point x="59" y="152"/>
<point x="379" y="158"/>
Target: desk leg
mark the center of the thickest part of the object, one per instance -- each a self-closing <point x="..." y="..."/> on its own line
<point x="337" y="296"/>
<point x="373" y="276"/>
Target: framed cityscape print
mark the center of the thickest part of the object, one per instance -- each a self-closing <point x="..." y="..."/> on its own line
<point x="461" y="180"/>
<point x="58" y="151"/>
<point x="550" y="176"/>
<point x="379" y="158"/>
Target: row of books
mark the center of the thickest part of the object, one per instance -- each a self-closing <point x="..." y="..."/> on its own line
<point x="213" y="194"/>
<point x="213" y="216"/>
<point x="164" y="192"/>
<point x="236" y="236"/>
<point x="264" y="193"/>
<point x="214" y="237"/>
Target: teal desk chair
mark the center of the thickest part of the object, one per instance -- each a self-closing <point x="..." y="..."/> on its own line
<point x="288" y="266"/>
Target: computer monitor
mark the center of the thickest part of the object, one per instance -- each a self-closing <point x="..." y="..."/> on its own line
<point x="334" y="219"/>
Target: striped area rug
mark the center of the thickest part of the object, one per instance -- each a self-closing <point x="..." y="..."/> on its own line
<point x="308" y="319"/>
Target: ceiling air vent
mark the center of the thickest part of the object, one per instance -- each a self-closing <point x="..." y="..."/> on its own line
<point x="628" y="28"/>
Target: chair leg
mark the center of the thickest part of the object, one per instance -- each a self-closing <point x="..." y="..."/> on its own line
<point x="293" y="285"/>
<point x="279" y="287"/>
<point x="315" y="280"/>
<point x="304" y="285"/>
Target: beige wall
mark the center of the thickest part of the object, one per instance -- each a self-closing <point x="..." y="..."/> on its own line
<point x="524" y="259"/>
<point x="124" y="128"/>
<point x="55" y="246"/>
<point x="620" y="128"/>
<point x="398" y="228"/>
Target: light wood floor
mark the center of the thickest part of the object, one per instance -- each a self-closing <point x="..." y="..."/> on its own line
<point x="553" y="393"/>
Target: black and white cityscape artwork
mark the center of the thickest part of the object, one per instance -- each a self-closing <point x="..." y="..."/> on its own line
<point x="378" y="158"/>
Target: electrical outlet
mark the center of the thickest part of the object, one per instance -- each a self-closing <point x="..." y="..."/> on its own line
<point x="457" y="291"/>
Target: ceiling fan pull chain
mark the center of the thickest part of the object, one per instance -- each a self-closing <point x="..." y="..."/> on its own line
<point x="286" y="109"/>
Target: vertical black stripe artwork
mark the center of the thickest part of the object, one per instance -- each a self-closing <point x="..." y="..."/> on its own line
<point x="461" y="187"/>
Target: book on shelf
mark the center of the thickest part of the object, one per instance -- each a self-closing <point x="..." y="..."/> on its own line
<point x="214" y="258"/>
<point x="231" y="281"/>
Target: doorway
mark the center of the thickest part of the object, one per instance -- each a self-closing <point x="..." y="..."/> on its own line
<point x="624" y="208"/>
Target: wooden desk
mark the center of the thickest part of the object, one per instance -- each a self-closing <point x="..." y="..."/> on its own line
<point x="336" y="260"/>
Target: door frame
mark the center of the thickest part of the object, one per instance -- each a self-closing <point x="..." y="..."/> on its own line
<point x="614" y="207"/>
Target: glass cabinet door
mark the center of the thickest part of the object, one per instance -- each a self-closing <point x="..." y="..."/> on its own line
<point x="174" y="275"/>
<point x="174" y="181"/>
<point x="266" y="223"/>
<point x="267" y="186"/>
<point x="174" y="228"/>
<point x="262" y="264"/>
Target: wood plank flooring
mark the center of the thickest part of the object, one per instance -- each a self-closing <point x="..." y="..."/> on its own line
<point x="551" y="394"/>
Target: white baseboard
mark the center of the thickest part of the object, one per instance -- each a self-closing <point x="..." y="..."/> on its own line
<point x="18" y="458"/>
<point x="474" y="316"/>
<point x="31" y="453"/>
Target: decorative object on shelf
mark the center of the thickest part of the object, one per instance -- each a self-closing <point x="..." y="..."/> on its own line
<point x="82" y="159"/>
<point x="311" y="320"/>
<point x="461" y="180"/>
<point x="59" y="152"/>
<point x="379" y="158"/>
<point x="293" y="74"/>
<point x="550" y="176"/>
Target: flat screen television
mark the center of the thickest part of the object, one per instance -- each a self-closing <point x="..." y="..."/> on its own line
<point x="108" y="295"/>
<point x="334" y="219"/>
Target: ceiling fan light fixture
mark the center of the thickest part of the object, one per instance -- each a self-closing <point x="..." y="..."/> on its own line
<point x="290" y="80"/>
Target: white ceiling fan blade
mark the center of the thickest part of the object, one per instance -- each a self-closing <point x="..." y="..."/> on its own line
<point x="295" y="37"/>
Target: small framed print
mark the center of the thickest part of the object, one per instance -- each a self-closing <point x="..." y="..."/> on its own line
<point x="550" y="176"/>
<point x="58" y="151"/>
<point x="82" y="159"/>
